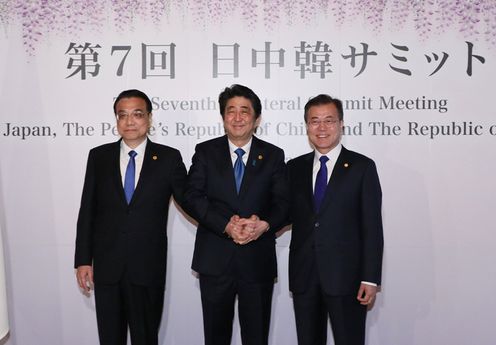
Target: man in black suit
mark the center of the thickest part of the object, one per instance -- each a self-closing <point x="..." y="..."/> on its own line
<point x="121" y="243"/>
<point x="336" y="247"/>
<point x="237" y="192"/>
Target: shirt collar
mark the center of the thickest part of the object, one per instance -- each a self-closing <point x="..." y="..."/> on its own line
<point x="140" y="149"/>
<point x="332" y="155"/>
<point x="245" y="147"/>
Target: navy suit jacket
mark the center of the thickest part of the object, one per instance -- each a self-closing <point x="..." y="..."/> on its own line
<point x="344" y="238"/>
<point x="211" y="198"/>
<point x="114" y="236"/>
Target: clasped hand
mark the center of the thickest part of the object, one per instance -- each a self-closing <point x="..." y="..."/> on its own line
<point x="245" y="230"/>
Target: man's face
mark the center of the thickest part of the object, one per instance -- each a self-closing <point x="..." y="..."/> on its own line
<point x="239" y="120"/>
<point x="133" y="120"/>
<point x="324" y="127"/>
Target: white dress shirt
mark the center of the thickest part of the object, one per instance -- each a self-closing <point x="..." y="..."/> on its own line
<point x="233" y="148"/>
<point x="333" y="157"/>
<point x="138" y="159"/>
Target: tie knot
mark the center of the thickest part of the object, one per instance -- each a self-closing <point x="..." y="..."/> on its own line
<point x="132" y="154"/>
<point x="323" y="159"/>
<point x="240" y="152"/>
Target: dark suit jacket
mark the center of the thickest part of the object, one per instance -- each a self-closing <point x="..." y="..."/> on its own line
<point x="113" y="235"/>
<point x="344" y="238"/>
<point x="211" y="198"/>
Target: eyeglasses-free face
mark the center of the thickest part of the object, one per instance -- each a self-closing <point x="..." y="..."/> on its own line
<point x="239" y="120"/>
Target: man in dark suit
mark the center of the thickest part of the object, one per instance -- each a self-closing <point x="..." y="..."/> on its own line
<point x="237" y="192"/>
<point x="121" y="243"/>
<point x="336" y="246"/>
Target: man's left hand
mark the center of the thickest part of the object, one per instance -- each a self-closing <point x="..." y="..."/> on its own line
<point x="366" y="294"/>
<point x="255" y="227"/>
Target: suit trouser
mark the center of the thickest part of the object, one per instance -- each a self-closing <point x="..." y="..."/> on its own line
<point x="125" y="304"/>
<point x="313" y="306"/>
<point x="218" y="294"/>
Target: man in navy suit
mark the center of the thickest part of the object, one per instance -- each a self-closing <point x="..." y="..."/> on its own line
<point x="237" y="192"/>
<point x="336" y="246"/>
<point x="121" y="244"/>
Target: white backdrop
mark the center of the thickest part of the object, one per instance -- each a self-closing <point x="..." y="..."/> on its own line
<point x="414" y="109"/>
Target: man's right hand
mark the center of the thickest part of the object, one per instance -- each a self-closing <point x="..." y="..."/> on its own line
<point x="236" y="230"/>
<point x="84" y="275"/>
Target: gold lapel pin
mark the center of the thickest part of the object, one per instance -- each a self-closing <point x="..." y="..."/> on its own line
<point x="154" y="158"/>
<point x="346" y="165"/>
<point x="260" y="157"/>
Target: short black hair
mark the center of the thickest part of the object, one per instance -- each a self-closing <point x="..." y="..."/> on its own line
<point x="237" y="90"/>
<point x="133" y="93"/>
<point x="323" y="99"/>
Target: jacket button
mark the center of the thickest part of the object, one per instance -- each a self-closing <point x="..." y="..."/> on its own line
<point x="317" y="224"/>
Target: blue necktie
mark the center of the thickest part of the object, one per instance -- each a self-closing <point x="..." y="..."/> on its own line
<point x="239" y="168"/>
<point x="129" y="179"/>
<point x="320" y="182"/>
